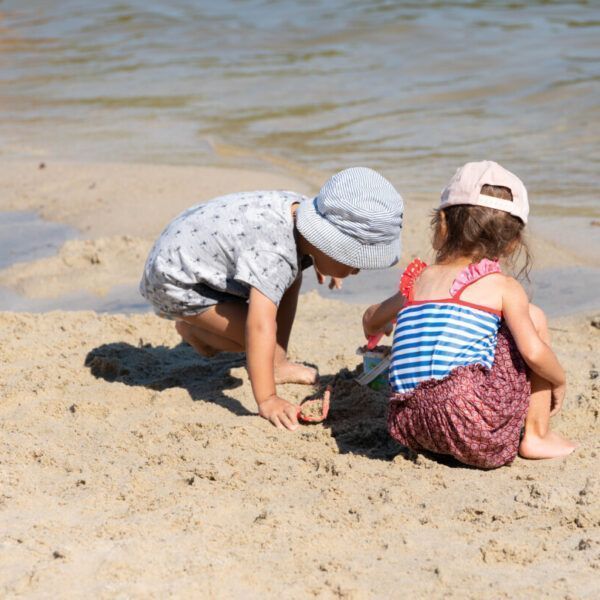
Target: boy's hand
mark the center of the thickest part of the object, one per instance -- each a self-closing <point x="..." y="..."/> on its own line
<point x="334" y="283"/>
<point x="280" y="412"/>
<point x="558" y="396"/>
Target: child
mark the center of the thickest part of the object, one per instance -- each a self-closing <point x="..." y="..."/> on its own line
<point x="471" y="359"/>
<point x="229" y="270"/>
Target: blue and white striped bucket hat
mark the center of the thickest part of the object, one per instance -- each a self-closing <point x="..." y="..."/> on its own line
<point x="356" y="219"/>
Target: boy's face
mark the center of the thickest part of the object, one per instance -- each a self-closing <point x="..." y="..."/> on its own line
<point x="329" y="267"/>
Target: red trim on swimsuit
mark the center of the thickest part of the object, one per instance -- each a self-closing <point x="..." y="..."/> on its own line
<point x="417" y="266"/>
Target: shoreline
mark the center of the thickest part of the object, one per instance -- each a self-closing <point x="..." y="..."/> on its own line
<point x="117" y="210"/>
<point x="559" y="292"/>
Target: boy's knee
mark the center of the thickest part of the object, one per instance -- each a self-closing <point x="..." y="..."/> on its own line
<point x="539" y="320"/>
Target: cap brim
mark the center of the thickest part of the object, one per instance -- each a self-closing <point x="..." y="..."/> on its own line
<point x="341" y="247"/>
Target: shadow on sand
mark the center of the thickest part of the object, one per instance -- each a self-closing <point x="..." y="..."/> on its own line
<point x="358" y="422"/>
<point x="160" y="367"/>
<point x="357" y="417"/>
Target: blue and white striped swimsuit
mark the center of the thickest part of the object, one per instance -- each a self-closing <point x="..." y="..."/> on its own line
<point x="433" y="337"/>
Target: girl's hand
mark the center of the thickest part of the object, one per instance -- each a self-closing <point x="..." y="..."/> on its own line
<point x="387" y="329"/>
<point x="380" y="318"/>
<point x="279" y="412"/>
<point x="558" y="396"/>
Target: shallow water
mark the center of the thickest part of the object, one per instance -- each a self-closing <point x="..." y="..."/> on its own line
<point x="120" y="299"/>
<point x="411" y="88"/>
<point x="558" y="292"/>
<point x="24" y="237"/>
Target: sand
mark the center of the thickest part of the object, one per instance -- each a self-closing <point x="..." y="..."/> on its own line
<point x="131" y="467"/>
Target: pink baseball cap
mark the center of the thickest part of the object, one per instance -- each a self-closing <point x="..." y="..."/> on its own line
<point x="465" y="188"/>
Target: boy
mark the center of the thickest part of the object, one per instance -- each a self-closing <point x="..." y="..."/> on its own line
<point x="229" y="270"/>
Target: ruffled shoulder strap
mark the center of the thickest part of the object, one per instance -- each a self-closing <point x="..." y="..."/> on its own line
<point x="410" y="275"/>
<point x="473" y="273"/>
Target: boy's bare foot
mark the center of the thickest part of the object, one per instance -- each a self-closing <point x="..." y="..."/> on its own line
<point x="552" y="445"/>
<point x="289" y="372"/>
<point x="186" y="331"/>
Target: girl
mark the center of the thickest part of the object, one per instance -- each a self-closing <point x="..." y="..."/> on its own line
<point x="471" y="359"/>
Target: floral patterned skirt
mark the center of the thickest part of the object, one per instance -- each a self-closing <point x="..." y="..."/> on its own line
<point x="474" y="414"/>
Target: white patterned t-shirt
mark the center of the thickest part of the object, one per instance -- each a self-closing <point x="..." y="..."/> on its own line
<point x="223" y="248"/>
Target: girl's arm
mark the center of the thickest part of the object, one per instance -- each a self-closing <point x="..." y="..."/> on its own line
<point x="261" y="337"/>
<point x="537" y="354"/>
<point x="378" y="316"/>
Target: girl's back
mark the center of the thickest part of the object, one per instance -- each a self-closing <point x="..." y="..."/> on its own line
<point x="451" y="319"/>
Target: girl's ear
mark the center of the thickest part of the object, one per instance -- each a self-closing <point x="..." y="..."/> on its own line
<point x="440" y="232"/>
<point x="512" y="246"/>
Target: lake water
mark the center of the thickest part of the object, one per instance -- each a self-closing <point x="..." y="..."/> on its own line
<point x="411" y="88"/>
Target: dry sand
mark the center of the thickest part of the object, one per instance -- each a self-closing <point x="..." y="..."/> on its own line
<point x="131" y="467"/>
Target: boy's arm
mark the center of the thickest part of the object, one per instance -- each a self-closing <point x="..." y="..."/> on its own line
<point x="261" y="337"/>
<point x="537" y="354"/>
<point x="377" y="317"/>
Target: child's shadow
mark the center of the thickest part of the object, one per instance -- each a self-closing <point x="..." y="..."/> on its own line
<point x="160" y="367"/>
<point x="357" y="419"/>
<point x="358" y="422"/>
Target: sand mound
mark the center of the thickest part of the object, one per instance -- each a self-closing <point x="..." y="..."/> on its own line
<point x="93" y="266"/>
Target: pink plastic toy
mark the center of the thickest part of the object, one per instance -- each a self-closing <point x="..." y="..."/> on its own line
<point x="306" y="414"/>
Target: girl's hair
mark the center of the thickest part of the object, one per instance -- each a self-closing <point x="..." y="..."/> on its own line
<point x="481" y="232"/>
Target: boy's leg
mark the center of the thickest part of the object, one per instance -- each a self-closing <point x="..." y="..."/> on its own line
<point x="538" y="441"/>
<point x="223" y="327"/>
<point x="219" y="328"/>
<point x="286" y="371"/>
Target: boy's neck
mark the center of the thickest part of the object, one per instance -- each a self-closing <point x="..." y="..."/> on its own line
<point x="302" y="244"/>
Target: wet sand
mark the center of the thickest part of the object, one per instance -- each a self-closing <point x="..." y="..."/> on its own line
<point x="132" y="467"/>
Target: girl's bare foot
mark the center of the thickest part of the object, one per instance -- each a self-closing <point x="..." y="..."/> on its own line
<point x="186" y="331"/>
<point x="289" y="372"/>
<point x="551" y="445"/>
